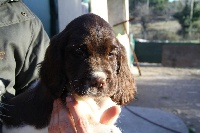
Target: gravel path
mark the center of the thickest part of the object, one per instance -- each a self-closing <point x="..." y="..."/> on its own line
<point x="175" y="90"/>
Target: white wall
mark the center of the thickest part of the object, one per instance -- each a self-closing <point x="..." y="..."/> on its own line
<point x="67" y="11"/>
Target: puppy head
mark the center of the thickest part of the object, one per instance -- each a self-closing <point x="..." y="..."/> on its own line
<point x="87" y="57"/>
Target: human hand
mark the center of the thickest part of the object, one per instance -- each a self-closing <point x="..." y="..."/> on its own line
<point x="62" y="121"/>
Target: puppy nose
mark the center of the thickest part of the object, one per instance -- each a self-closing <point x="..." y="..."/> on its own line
<point x="98" y="79"/>
<point x="98" y="82"/>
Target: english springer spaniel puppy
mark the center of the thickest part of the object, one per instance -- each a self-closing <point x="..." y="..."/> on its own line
<point x="85" y="60"/>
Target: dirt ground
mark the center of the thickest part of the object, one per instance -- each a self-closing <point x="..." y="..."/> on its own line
<point x="175" y="90"/>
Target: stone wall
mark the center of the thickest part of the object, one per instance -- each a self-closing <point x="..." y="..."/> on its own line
<point x="181" y="56"/>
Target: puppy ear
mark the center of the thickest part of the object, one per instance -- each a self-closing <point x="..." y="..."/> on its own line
<point x="126" y="84"/>
<point x="51" y="71"/>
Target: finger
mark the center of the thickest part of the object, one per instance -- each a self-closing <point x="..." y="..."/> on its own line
<point x="80" y="121"/>
<point x="64" y="119"/>
<point x="53" y="126"/>
<point x="60" y="120"/>
<point x="110" y="115"/>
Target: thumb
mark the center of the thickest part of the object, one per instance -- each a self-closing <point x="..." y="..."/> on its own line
<point x="110" y="115"/>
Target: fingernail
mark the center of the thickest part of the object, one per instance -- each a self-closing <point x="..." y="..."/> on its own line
<point x="69" y="99"/>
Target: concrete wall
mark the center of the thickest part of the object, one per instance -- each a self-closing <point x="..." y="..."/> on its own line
<point x="169" y="54"/>
<point x="181" y="56"/>
<point x="118" y="11"/>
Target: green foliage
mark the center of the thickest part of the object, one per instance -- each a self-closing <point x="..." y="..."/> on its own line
<point x="157" y="6"/>
<point x="164" y="35"/>
<point x="150" y="11"/>
<point x="196" y="11"/>
<point x="151" y="2"/>
<point x="196" y="25"/>
<point x="183" y="17"/>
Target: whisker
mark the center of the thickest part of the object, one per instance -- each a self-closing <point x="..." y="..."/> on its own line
<point x="4" y="115"/>
<point x="72" y="91"/>
<point x="98" y="100"/>
<point x="5" y="108"/>
<point x="91" y="92"/>
<point x="5" y="104"/>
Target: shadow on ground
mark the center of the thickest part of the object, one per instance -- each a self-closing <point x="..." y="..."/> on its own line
<point x="174" y="90"/>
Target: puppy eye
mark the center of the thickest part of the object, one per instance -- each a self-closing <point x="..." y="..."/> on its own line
<point x="111" y="54"/>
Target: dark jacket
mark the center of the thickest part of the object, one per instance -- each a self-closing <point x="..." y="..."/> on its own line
<point x="23" y="42"/>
